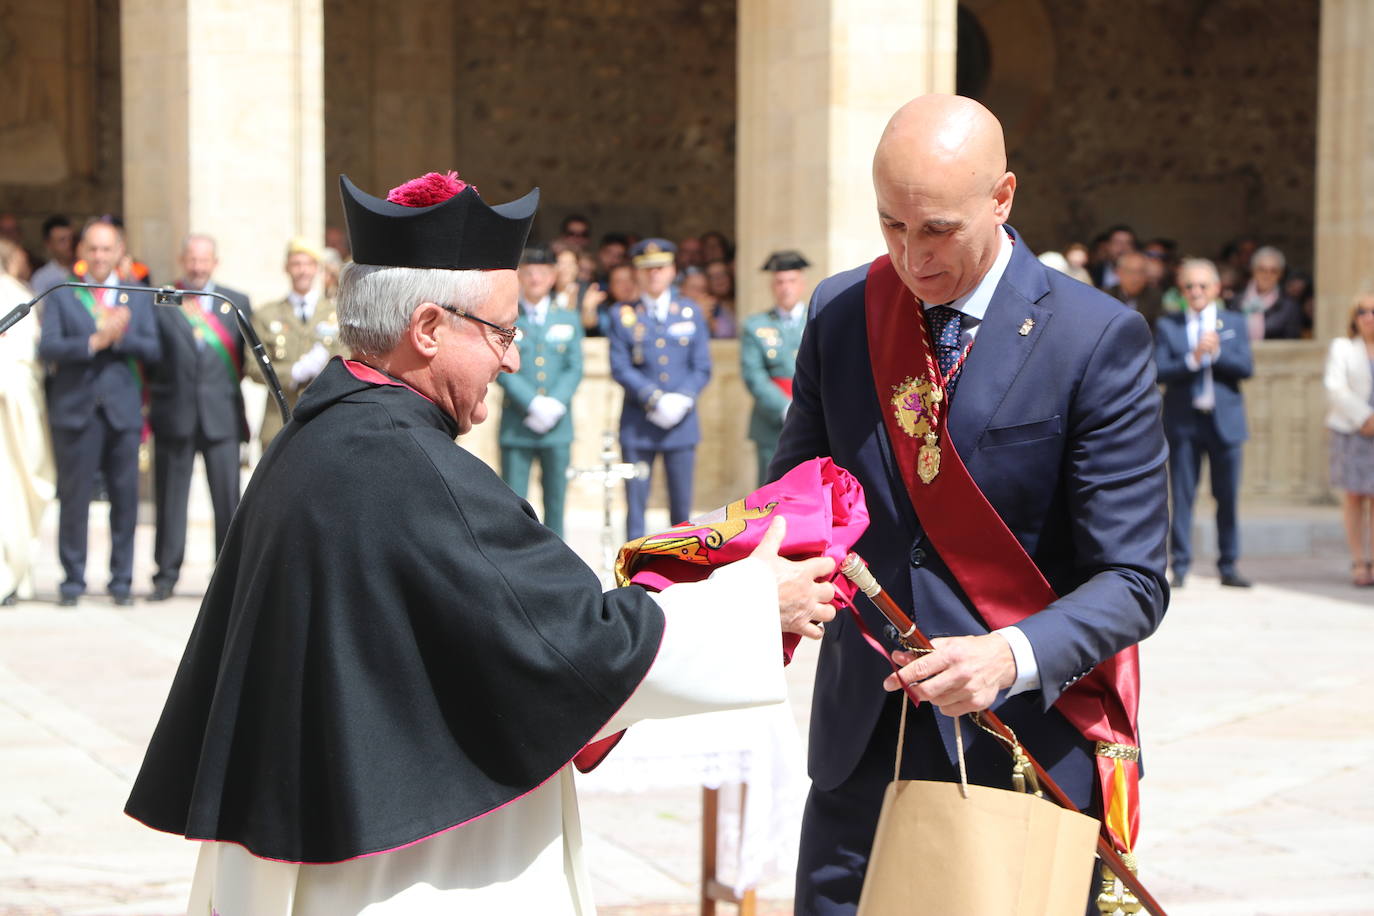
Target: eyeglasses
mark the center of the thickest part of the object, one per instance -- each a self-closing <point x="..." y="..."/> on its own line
<point x="506" y="336"/>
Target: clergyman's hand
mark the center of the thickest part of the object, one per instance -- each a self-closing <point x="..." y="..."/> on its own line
<point x="963" y="674"/>
<point x="803" y="601"/>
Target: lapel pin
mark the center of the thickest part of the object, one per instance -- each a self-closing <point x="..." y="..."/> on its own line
<point x="123" y="298"/>
<point x="1026" y="327"/>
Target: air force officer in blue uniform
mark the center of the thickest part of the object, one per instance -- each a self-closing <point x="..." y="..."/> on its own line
<point x="661" y="357"/>
<point x="1056" y="415"/>
<point x="98" y="341"/>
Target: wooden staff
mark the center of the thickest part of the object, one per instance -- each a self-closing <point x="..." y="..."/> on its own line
<point x="911" y="636"/>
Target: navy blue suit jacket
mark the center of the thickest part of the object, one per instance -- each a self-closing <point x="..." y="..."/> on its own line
<point x="82" y="381"/>
<point x="1233" y="364"/>
<point x="1060" y="428"/>
<point x="648" y="356"/>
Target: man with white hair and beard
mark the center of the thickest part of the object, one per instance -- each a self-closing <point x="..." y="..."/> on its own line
<point x="395" y="663"/>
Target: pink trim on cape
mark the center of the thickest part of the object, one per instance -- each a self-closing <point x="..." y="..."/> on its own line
<point x="365" y="373"/>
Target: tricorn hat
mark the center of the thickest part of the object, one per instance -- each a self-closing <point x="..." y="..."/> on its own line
<point x="786" y="260"/>
<point x="442" y="223"/>
<point x="538" y="254"/>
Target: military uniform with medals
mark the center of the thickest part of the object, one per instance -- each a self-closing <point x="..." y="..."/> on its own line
<point x="550" y="342"/>
<point x="290" y="328"/>
<point x="768" y="358"/>
<point x="659" y="349"/>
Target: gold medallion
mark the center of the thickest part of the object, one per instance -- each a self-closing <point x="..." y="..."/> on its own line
<point x="928" y="459"/>
<point x="912" y="404"/>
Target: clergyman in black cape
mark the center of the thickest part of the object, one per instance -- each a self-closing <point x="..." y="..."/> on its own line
<point x="395" y="663"/>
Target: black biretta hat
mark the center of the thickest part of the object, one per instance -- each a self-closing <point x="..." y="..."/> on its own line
<point x="460" y="232"/>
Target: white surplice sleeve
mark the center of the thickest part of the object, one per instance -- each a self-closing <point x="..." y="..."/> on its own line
<point x="721" y="649"/>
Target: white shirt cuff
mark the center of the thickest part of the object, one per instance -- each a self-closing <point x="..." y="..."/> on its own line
<point x="1191" y="362"/>
<point x="1027" y="671"/>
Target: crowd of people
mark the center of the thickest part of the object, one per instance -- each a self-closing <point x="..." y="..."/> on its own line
<point x="1205" y="314"/>
<point x="100" y="385"/>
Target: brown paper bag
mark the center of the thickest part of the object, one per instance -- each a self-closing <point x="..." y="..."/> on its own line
<point x="937" y="853"/>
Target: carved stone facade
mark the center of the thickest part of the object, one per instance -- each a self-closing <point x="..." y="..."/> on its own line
<point x="1185" y="119"/>
<point x="620" y="110"/>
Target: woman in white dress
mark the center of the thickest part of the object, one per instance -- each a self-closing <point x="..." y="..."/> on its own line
<point x="1349" y="381"/>
<point x="26" y="468"/>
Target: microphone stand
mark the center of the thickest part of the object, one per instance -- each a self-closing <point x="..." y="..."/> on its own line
<point x="170" y="296"/>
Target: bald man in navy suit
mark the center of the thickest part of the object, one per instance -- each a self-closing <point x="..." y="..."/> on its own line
<point x="1056" y="414"/>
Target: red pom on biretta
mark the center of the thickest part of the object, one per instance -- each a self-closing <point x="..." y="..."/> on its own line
<point x="428" y="190"/>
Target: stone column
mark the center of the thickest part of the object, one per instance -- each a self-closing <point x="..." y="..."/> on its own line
<point x="1344" y="231"/>
<point x="818" y="80"/>
<point x="223" y="132"/>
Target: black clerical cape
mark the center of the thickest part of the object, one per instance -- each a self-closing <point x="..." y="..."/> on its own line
<point x="391" y="644"/>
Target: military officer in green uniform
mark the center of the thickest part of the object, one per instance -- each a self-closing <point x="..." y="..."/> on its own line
<point x="768" y="352"/>
<point x="300" y="333"/>
<point x="535" y="419"/>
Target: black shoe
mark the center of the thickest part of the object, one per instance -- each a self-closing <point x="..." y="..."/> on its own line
<point x="10" y="600"/>
<point x="1234" y="580"/>
<point x="1177" y="580"/>
<point x="122" y="599"/>
<point x="67" y="601"/>
<point x="161" y="592"/>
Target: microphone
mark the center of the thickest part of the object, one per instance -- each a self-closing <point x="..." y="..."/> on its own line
<point x="170" y="296"/>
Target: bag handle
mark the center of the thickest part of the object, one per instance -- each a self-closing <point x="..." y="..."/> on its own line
<point x="958" y="744"/>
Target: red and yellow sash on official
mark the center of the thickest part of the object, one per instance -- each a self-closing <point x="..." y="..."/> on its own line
<point x="994" y="570"/>
<point x="208" y="328"/>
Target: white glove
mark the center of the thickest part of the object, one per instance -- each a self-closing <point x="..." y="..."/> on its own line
<point x="304" y="370"/>
<point x="674" y="407"/>
<point x="544" y="413"/>
<point x="662" y="420"/>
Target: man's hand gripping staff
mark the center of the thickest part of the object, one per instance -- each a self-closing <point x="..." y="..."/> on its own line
<point x="916" y="643"/>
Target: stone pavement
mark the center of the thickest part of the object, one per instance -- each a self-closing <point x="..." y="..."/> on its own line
<point x="1258" y="796"/>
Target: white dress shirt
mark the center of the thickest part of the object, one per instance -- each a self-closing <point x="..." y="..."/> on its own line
<point x="1198" y="323"/>
<point x="537" y="311"/>
<point x="303" y="306"/>
<point x="659" y="305"/>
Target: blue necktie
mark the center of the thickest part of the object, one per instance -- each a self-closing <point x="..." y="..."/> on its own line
<point x="946" y="326"/>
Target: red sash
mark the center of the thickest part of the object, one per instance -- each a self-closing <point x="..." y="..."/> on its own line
<point x="993" y="569"/>
<point x="784" y="385"/>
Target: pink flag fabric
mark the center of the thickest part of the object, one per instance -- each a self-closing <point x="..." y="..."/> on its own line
<point x="825" y="511"/>
<point x="826" y="514"/>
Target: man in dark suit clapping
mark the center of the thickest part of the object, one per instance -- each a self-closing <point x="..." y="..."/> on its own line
<point x="98" y="342"/>
<point x="1202" y="356"/>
